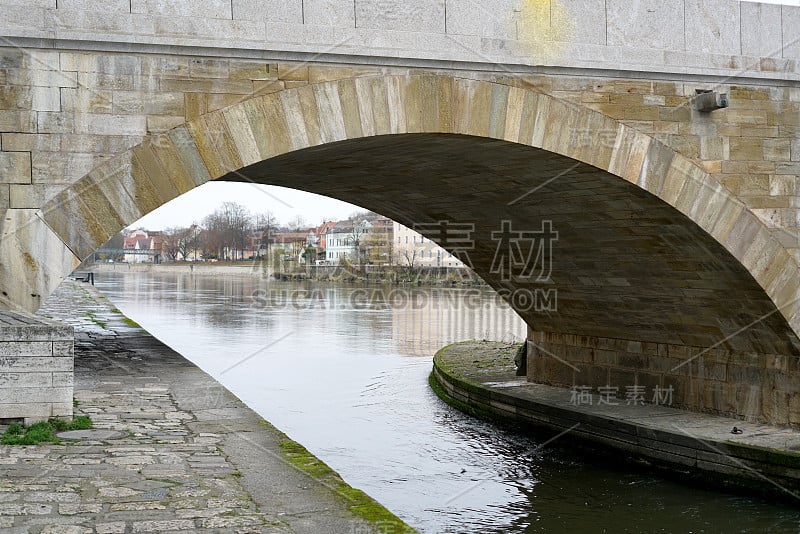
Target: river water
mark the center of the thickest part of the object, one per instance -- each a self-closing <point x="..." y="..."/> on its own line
<point x="343" y="370"/>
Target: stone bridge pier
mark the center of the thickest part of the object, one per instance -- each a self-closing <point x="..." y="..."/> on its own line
<point x="675" y="266"/>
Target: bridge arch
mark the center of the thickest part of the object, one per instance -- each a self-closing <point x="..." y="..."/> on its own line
<point x="658" y="259"/>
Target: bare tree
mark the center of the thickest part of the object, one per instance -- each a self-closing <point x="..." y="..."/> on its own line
<point x="170" y="245"/>
<point x="179" y="242"/>
<point x="266" y="224"/>
<point x="228" y="228"/>
<point x="356" y="238"/>
<point x="297" y="223"/>
<point x="410" y="257"/>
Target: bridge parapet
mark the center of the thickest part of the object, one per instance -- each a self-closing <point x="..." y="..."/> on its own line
<point x="720" y="37"/>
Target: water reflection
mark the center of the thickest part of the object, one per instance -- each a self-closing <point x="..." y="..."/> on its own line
<point x="347" y="377"/>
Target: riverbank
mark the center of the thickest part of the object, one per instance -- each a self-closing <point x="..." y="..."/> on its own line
<point x="478" y="377"/>
<point x="396" y="275"/>
<point x="172" y="449"/>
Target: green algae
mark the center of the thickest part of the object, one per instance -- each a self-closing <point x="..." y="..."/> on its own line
<point x="358" y="503"/>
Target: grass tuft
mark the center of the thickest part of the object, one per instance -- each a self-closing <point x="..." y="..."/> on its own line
<point x="43" y="432"/>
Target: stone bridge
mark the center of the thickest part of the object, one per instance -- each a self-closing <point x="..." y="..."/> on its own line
<point x="676" y="263"/>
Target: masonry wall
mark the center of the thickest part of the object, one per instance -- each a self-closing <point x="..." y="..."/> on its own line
<point x="36" y="368"/>
<point x="63" y="113"/>
<point x="757" y="387"/>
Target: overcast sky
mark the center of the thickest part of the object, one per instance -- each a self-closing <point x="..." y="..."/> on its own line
<point x="284" y="203"/>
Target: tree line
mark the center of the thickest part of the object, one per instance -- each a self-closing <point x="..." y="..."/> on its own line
<point x="226" y="234"/>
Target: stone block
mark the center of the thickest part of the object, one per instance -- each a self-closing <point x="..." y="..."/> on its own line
<point x="338" y="13"/>
<point x="15" y="97"/>
<point x="777" y="149"/>
<point x="650" y="381"/>
<point x="791" y="31"/>
<point x="15" y="167"/>
<point x="713" y="26"/>
<point x="85" y="101"/>
<point x="746" y="148"/>
<point x="251" y="70"/>
<point x="621" y="378"/>
<point x="101" y="124"/>
<point x="32" y="412"/>
<point x="46" y="99"/>
<point x="64" y="379"/>
<point x="59" y="167"/>
<point x="218" y="101"/>
<point x="24" y="18"/>
<point x="30" y="364"/>
<point x="655" y="24"/>
<point x="409" y="15"/>
<point x="784" y="185"/>
<point x="42" y="78"/>
<point x="325" y="74"/>
<point x="63" y="348"/>
<point x="794" y="409"/>
<point x="578" y="21"/>
<point x="158" y="125"/>
<point x="292" y="72"/>
<point x="189" y="155"/>
<point x="795" y="150"/>
<point x="17" y="121"/>
<point x="759" y="24"/>
<point x="103" y="6"/>
<point x="29" y="196"/>
<point x="34" y="259"/>
<point x="26" y="348"/>
<point x="209" y="68"/>
<point x="287" y="11"/>
<point x="490" y="18"/>
<point x="593" y="376"/>
<point x="219" y="9"/>
<point x="194" y="85"/>
<point x="10" y="381"/>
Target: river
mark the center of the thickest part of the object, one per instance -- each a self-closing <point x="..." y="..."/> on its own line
<point x="343" y="370"/>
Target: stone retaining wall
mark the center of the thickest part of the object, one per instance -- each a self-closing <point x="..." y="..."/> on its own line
<point x="720" y="380"/>
<point x="36" y="368"/>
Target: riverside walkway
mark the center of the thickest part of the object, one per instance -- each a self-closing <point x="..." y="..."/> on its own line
<point x="479" y="377"/>
<point x="172" y="450"/>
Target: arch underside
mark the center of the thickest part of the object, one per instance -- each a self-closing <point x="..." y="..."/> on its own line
<point x="626" y="265"/>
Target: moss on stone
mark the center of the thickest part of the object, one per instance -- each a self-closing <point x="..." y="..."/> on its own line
<point x="130" y="322"/>
<point x="125" y="319"/>
<point x="93" y="317"/>
<point x="358" y="503"/>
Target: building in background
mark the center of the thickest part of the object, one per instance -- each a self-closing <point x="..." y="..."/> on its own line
<point x="143" y="247"/>
<point x="412" y="249"/>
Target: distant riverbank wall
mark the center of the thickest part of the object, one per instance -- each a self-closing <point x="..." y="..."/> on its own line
<point x="383" y="274"/>
<point x="244" y="269"/>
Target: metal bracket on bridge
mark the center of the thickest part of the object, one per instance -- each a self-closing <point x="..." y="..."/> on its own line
<point x="708" y="101"/>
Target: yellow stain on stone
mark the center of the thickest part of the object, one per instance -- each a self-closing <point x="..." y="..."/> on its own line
<point x="544" y="27"/>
